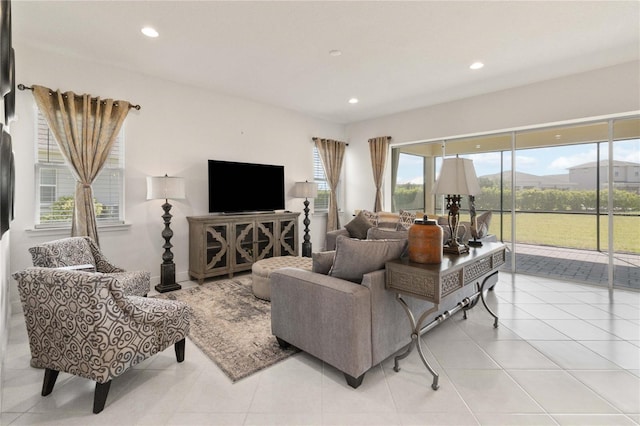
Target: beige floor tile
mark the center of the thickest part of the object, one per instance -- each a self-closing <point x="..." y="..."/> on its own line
<point x="619" y="387"/>
<point x="572" y="355"/>
<point x="507" y="419"/>
<point x="578" y="329"/>
<point x="518" y="354"/>
<point x="487" y="376"/>
<point x="492" y="391"/>
<point x="559" y="392"/>
<point x="594" y="420"/>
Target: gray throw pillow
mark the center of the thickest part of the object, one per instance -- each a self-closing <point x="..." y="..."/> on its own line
<point x="322" y="261"/>
<point x="354" y="258"/>
<point x="386" y="234"/>
<point x="358" y="226"/>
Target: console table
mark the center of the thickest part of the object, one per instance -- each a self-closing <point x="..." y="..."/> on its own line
<point x="434" y="282"/>
<point x="225" y="244"/>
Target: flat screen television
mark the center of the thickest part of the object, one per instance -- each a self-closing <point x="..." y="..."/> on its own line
<point x="245" y="187"/>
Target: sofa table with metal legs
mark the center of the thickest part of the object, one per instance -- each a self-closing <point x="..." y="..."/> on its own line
<point x="435" y="282"/>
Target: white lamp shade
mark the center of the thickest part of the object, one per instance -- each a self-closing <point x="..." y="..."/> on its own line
<point x="305" y="190"/>
<point x="165" y="187"/>
<point x="457" y="177"/>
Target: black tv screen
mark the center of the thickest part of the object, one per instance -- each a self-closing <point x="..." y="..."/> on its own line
<point x="245" y="187"/>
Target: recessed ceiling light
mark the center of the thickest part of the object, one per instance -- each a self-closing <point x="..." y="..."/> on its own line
<point x="476" y="65"/>
<point x="353" y="101"/>
<point x="150" y="32"/>
<point x="335" y="52"/>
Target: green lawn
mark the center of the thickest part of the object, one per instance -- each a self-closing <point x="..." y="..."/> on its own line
<point x="570" y="230"/>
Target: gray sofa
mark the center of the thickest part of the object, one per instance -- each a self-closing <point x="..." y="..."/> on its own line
<point x="395" y="224"/>
<point x="349" y="325"/>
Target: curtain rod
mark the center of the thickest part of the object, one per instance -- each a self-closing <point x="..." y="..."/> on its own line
<point x="313" y="140"/>
<point x="23" y="87"/>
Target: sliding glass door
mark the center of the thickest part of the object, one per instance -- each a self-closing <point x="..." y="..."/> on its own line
<point x="557" y="182"/>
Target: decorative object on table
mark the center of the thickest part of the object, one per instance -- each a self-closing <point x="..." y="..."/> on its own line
<point x="166" y="187"/>
<point x="425" y="241"/>
<point x="474" y="223"/>
<point x="457" y="178"/>
<point x="306" y="190"/>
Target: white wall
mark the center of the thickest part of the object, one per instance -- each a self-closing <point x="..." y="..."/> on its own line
<point x="178" y="128"/>
<point x="5" y="282"/>
<point x="601" y="92"/>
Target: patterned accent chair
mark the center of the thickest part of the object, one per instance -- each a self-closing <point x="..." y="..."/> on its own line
<point x="76" y="251"/>
<point x="82" y="323"/>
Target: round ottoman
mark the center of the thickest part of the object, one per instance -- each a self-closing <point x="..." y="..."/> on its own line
<point x="261" y="270"/>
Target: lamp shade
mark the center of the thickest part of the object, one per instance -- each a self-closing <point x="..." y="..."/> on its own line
<point x="457" y="176"/>
<point x="165" y="187"/>
<point x="305" y="190"/>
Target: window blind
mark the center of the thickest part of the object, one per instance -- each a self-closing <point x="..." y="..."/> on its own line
<point x="55" y="187"/>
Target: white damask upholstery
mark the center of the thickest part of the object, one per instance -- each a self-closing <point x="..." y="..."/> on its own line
<point x="83" y="324"/>
<point x="81" y="251"/>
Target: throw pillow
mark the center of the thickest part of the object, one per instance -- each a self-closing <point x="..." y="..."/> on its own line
<point x="389" y="234"/>
<point x="354" y="258"/>
<point x="388" y="220"/>
<point x="406" y="219"/>
<point x="386" y="234"/>
<point x="358" y="227"/>
<point x="322" y="261"/>
<point x="371" y="216"/>
<point x="483" y="221"/>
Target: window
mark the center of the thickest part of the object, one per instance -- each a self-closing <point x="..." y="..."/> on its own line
<point x="321" y="202"/>
<point x="55" y="183"/>
<point x="408" y="193"/>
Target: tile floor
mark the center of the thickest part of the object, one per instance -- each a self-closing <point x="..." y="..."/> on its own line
<point x="564" y="354"/>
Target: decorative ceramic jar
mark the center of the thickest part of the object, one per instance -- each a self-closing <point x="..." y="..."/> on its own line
<point x="425" y="242"/>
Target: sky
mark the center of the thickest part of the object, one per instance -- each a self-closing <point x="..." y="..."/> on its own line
<point x="539" y="161"/>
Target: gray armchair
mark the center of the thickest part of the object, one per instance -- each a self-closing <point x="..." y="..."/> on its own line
<point x="74" y="251"/>
<point x="83" y="324"/>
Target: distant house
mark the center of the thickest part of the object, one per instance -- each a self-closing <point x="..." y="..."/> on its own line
<point x="529" y="181"/>
<point x="626" y="175"/>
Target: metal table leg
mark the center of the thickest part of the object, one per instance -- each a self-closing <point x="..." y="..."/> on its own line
<point x="484" y="302"/>
<point x="415" y="340"/>
<point x="417" y="330"/>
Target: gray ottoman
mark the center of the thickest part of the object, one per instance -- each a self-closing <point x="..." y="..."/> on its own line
<point x="261" y="270"/>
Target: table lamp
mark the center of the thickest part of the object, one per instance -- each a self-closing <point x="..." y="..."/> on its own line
<point x="457" y="178"/>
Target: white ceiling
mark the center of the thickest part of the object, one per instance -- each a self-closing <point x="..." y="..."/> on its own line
<point x="396" y="55"/>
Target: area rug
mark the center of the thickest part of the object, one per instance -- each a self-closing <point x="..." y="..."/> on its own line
<point x="232" y="326"/>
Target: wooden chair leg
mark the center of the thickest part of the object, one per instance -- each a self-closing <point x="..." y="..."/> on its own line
<point x="100" y="396"/>
<point x="179" y="346"/>
<point x="50" y="377"/>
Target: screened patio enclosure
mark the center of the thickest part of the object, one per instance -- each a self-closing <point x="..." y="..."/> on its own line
<point x="564" y="198"/>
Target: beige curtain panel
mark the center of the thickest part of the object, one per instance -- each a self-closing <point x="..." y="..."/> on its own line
<point x="85" y="129"/>
<point x="332" y="155"/>
<point x="378" y="148"/>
